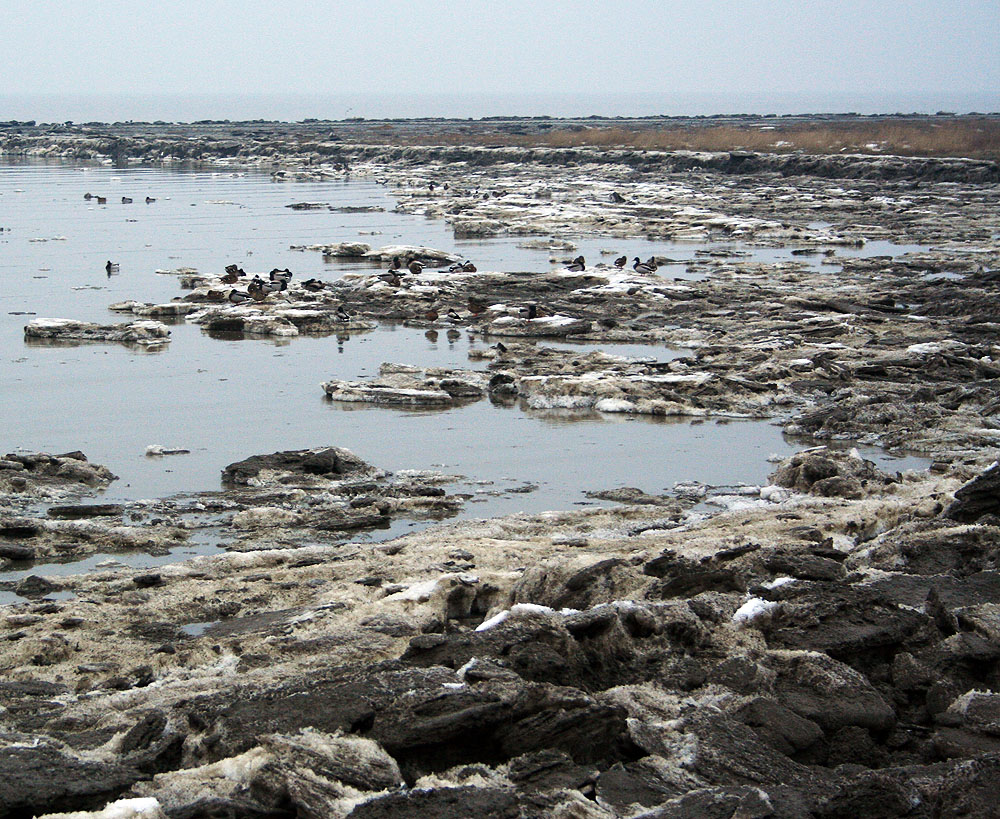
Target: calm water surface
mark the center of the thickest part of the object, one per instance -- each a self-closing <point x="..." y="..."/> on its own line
<point x="227" y="400"/>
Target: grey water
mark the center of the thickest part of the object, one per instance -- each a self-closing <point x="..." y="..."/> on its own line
<point x="225" y="400"/>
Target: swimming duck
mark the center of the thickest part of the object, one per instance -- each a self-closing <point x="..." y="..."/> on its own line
<point x="579" y="265"/>
<point x="149" y="199"/>
<point x="126" y="200"/>
<point x="641" y="267"/>
<point x="102" y="200"/>
<point x="621" y="261"/>
<point x="415" y="267"/>
<point x="111" y="267"/>
<point x="88" y="196"/>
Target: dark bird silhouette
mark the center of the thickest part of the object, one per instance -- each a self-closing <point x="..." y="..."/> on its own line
<point x="126" y="200"/>
<point x="313" y="285"/>
<point x="432" y="314"/>
<point x="280" y="275"/>
<point x="111" y="267"/>
<point x="102" y="200"/>
<point x="396" y="263"/>
<point x="149" y="199"/>
<point x="621" y="261"/>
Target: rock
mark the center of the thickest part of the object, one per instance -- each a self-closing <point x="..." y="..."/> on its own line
<point x="328" y="462"/>
<point x="13" y="551"/>
<point x="143" y="333"/>
<point x="978" y="497"/>
<point x="40" y="778"/>
<point x="826" y="691"/>
<point x="782" y="729"/>
<point x="91" y="510"/>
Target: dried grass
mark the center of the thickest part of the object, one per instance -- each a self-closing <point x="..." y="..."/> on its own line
<point x="972" y="137"/>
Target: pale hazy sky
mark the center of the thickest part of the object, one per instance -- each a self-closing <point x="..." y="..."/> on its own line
<point x="413" y="46"/>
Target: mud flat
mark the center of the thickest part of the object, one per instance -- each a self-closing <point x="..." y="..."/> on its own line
<point x="823" y="645"/>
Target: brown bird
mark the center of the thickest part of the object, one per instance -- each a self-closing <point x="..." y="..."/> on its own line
<point x="476" y="306"/>
<point x="415" y="267"/>
<point x="621" y="261"/>
<point x="431" y="315"/>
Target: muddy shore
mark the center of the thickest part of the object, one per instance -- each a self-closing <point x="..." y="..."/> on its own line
<point x="823" y="645"/>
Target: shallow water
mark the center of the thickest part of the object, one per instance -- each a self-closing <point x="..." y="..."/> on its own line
<point x="228" y="399"/>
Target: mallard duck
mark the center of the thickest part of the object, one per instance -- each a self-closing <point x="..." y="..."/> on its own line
<point x="579" y="264"/>
<point x="111" y="267"/>
<point x="621" y="261"/>
<point x="641" y="267"/>
<point x="238" y="297"/>
<point x="415" y="267"/>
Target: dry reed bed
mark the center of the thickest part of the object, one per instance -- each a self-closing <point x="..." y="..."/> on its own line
<point x="977" y="138"/>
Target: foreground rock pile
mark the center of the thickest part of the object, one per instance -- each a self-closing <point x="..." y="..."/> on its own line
<point x="830" y="638"/>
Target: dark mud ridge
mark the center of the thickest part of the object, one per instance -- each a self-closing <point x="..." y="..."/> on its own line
<point x="342" y="144"/>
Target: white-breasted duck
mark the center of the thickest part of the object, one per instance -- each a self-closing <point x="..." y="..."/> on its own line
<point x="579" y="265"/>
<point x="641" y="267"/>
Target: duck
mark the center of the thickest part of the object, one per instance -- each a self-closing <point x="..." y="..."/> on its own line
<point x="276" y="286"/>
<point x="111" y="267"/>
<point x="284" y="275"/>
<point x="453" y="316"/>
<point x="529" y="312"/>
<point x="238" y="297"/>
<point x="621" y="261"/>
<point x="396" y="263"/>
<point x="476" y="306"/>
<point x="150" y="199"/>
<point x="579" y="264"/>
<point x="232" y="268"/>
<point x="126" y="200"/>
<point x="342" y="314"/>
<point x="102" y="200"/>
<point x="651" y="261"/>
<point x="500" y="347"/>
<point x="431" y="315"/>
<point x="391" y="278"/>
<point x="415" y="267"/>
<point x="313" y="285"/>
<point x="88" y="196"/>
<point x="641" y="267"/>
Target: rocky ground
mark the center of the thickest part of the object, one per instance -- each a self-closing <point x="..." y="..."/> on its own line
<point x="825" y="645"/>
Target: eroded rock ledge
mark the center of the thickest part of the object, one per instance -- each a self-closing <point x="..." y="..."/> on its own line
<point x="829" y="638"/>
